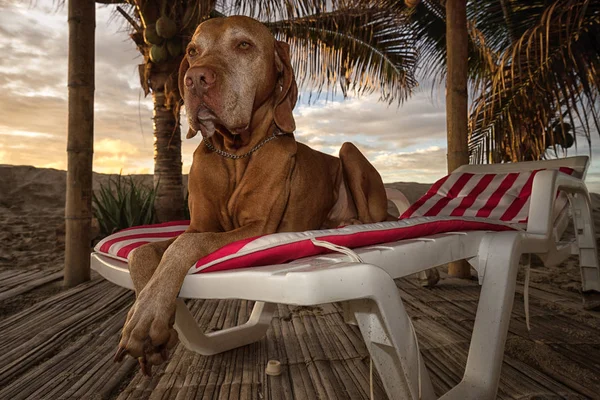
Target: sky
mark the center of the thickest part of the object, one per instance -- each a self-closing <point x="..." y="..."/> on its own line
<point x="405" y="143"/>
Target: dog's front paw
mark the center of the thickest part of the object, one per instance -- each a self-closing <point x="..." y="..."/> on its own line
<point x="148" y="333"/>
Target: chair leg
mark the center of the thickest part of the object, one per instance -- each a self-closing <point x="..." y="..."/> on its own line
<point x="486" y="351"/>
<point x="586" y="242"/>
<point x="194" y="339"/>
<point x="429" y="277"/>
<point x="387" y="332"/>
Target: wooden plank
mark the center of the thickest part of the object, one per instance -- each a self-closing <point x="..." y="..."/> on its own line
<point x="9" y="273"/>
<point x="51" y="333"/>
<point x="30" y="285"/>
<point x="276" y="387"/>
<point x="246" y="373"/>
<point x="553" y="364"/>
<point x="446" y="365"/>
<point x="585" y="355"/>
<point x="322" y="374"/>
<point x="21" y="277"/>
<point x="85" y="366"/>
<point x="321" y="355"/>
<point x="300" y="379"/>
<point x="526" y="371"/>
<point x="21" y="326"/>
<point x="170" y="380"/>
<point x="331" y="336"/>
<point x="441" y="360"/>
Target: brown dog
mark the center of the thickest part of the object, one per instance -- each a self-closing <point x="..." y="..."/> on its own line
<point x="249" y="176"/>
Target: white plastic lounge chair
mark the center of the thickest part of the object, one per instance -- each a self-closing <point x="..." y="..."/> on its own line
<point x="519" y="212"/>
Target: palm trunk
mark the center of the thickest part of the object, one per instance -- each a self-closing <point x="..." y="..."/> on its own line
<point x="457" y="99"/>
<point x="167" y="161"/>
<point x="80" y="141"/>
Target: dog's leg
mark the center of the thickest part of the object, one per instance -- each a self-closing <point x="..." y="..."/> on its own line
<point x="365" y="185"/>
<point x="144" y="260"/>
<point x="148" y="333"/>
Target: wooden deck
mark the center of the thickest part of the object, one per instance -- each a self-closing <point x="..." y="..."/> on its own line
<point x="59" y="344"/>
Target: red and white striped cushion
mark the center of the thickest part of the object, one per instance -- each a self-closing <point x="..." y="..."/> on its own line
<point x="120" y="244"/>
<point x="279" y="248"/>
<point x="502" y="197"/>
<point x="458" y="202"/>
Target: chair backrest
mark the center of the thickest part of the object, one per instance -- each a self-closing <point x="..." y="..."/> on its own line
<point x="578" y="163"/>
<point x="492" y="191"/>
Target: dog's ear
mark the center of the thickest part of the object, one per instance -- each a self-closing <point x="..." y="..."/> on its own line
<point x="183" y="67"/>
<point x="286" y="98"/>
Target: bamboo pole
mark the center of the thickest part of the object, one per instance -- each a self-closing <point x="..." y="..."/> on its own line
<point x="80" y="141"/>
<point x="457" y="99"/>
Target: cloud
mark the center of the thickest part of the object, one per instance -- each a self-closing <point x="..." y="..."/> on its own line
<point x="33" y="77"/>
<point x="405" y="143"/>
<point x="425" y="165"/>
<point x="359" y="118"/>
<point x="26" y="134"/>
<point x="33" y="80"/>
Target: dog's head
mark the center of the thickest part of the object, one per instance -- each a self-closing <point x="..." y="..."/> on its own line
<point x="234" y="66"/>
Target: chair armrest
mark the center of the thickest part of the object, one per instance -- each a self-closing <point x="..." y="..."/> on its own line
<point x="543" y="198"/>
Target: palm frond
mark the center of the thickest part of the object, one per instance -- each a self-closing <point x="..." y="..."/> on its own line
<point x="361" y="49"/>
<point x="350" y="43"/>
<point x="427" y="25"/>
<point x="544" y="89"/>
<point x="277" y="10"/>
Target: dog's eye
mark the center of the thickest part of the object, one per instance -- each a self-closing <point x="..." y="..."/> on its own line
<point x="244" y="45"/>
<point x="192" y="52"/>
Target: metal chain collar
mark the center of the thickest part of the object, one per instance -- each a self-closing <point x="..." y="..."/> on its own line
<point x="222" y="153"/>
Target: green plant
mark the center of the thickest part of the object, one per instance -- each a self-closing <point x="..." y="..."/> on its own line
<point x="123" y="203"/>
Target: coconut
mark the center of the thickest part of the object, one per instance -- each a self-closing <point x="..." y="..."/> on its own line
<point x="158" y="54"/>
<point x="166" y="27"/>
<point x="150" y="35"/>
<point x="175" y="47"/>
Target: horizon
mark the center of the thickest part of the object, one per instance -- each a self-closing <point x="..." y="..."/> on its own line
<point x="405" y="143"/>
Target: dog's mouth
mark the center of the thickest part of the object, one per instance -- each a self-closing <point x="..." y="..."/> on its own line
<point x="203" y="120"/>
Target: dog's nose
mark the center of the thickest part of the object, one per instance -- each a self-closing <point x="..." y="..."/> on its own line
<point x="200" y="78"/>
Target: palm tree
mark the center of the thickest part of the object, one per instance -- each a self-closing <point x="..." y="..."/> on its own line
<point x="533" y="72"/>
<point x="541" y="89"/>
<point x="160" y="29"/>
<point x="357" y="45"/>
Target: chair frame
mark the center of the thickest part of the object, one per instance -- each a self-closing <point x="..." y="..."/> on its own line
<point x="372" y="301"/>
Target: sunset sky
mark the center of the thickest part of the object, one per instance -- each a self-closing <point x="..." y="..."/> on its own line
<point x="405" y="143"/>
